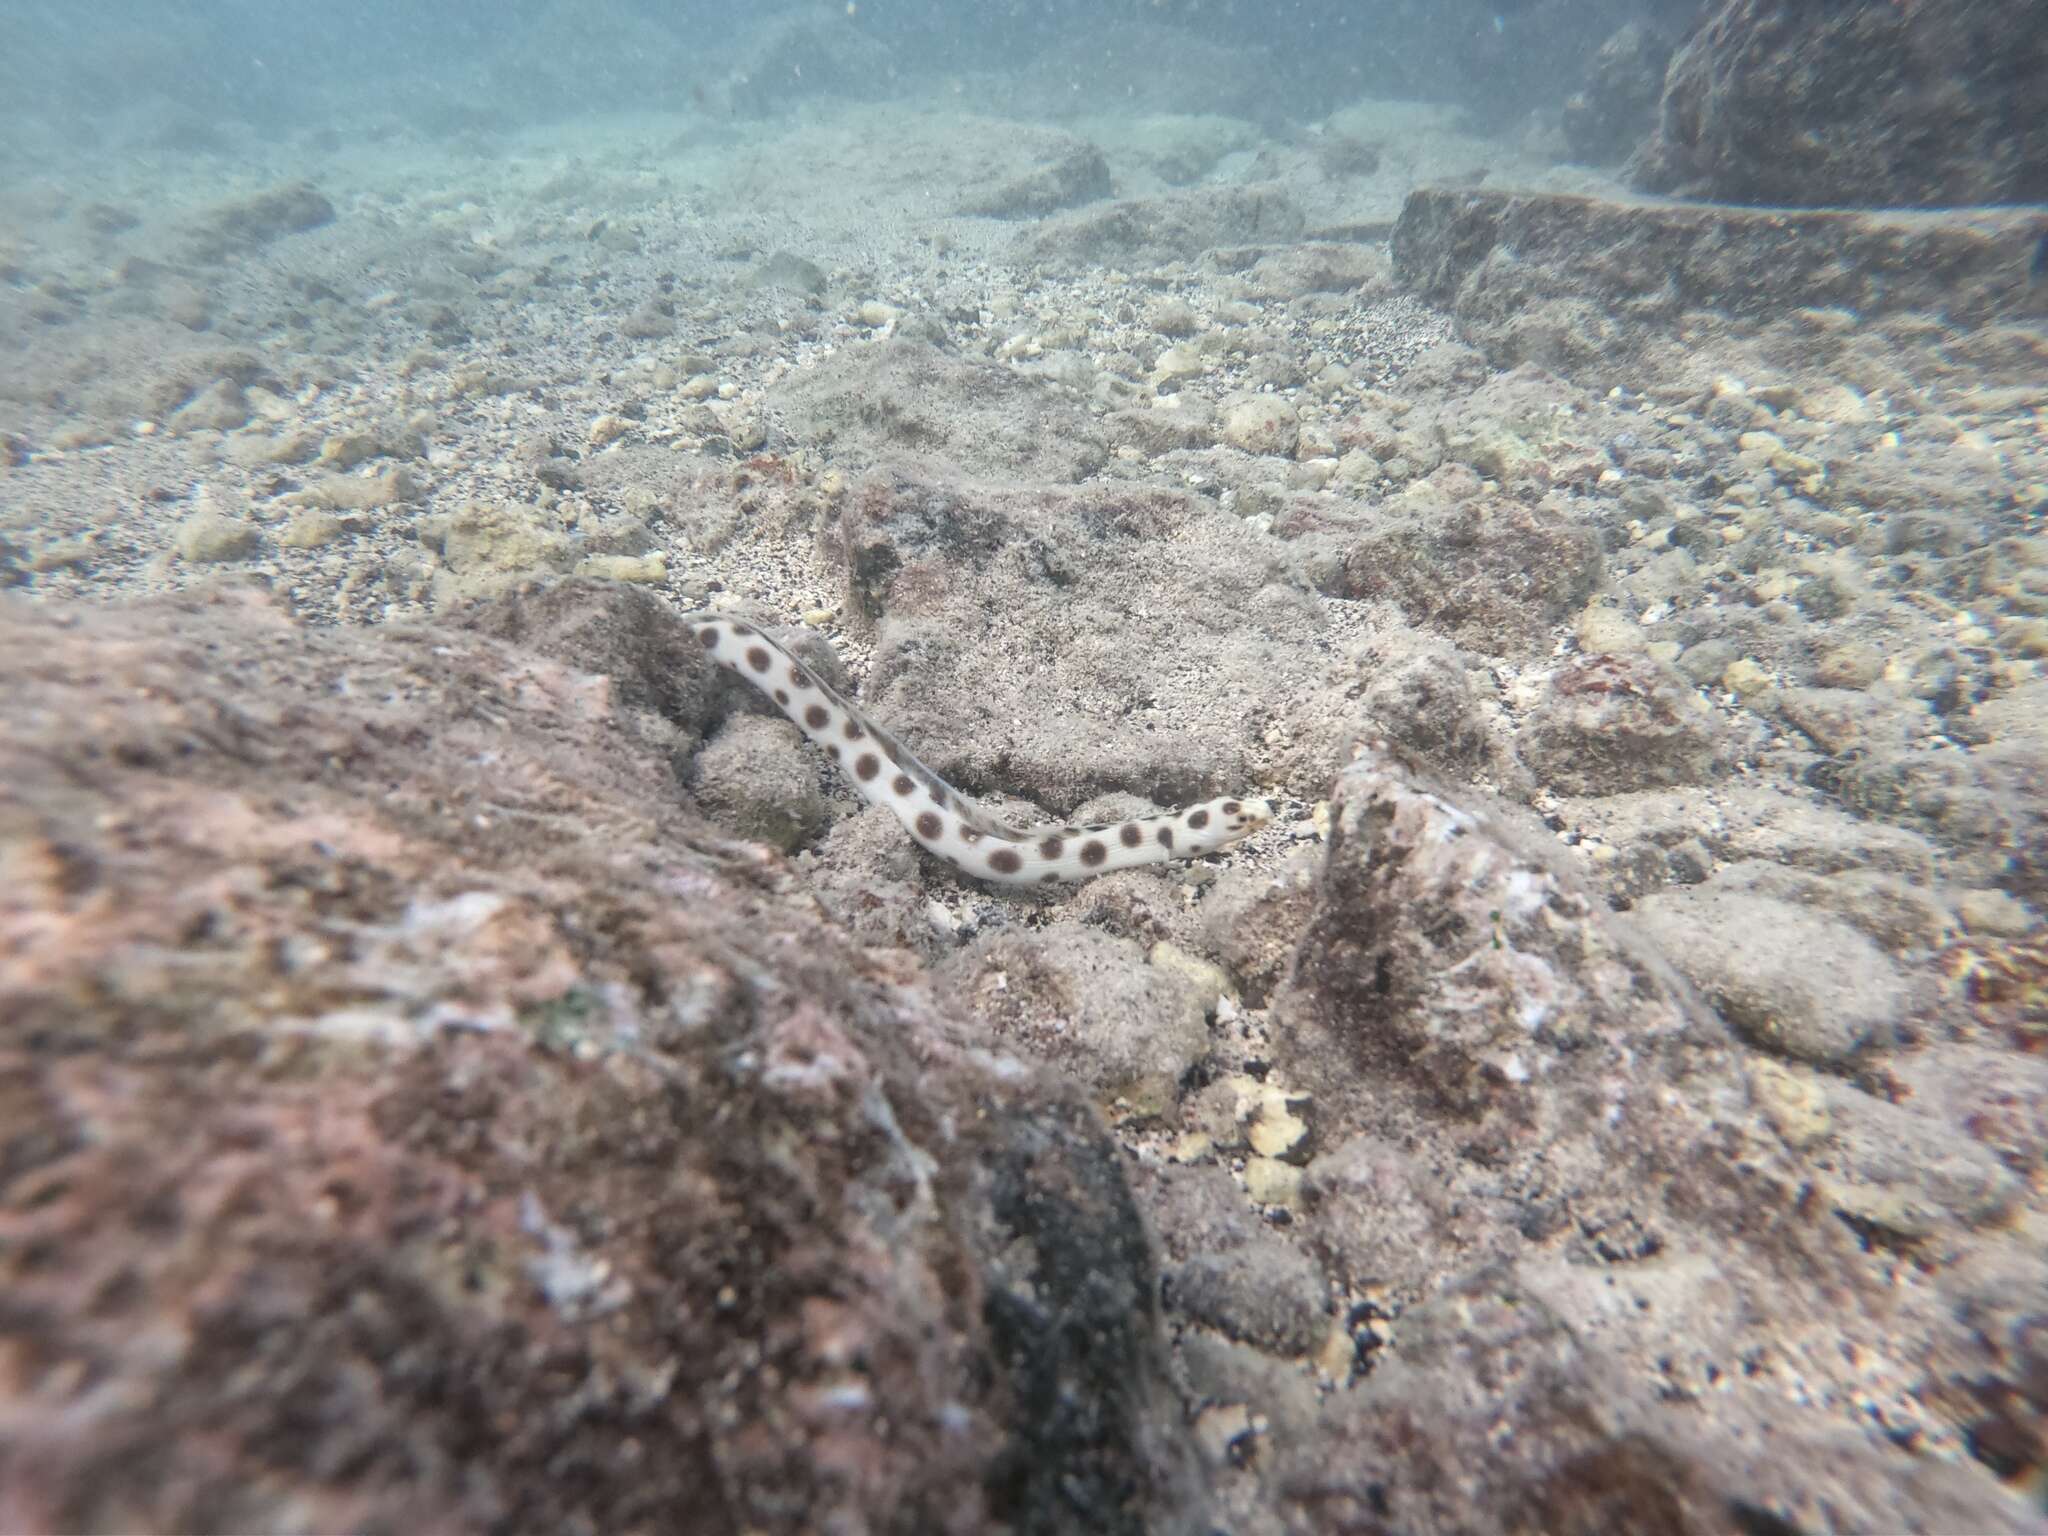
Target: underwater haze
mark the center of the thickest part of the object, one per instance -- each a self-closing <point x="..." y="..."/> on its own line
<point x="1096" y="766"/>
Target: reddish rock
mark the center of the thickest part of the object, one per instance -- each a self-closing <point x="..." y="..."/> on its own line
<point x="416" y="1120"/>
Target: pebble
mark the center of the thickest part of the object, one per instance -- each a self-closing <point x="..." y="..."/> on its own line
<point x="1994" y="912"/>
<point x="345" y="450"/>
<point x="1221" y="1427"/>
<point x="1271" y="1182"/>
<point x="209" y="538"/>
<point x="1745" y="677"/>
<point x="608" y="429"/>
<point x="62" y="555"/>
<point x="1279" y="1126"/>
<point x="1177" y="363"/>
<point x="1791" y="1099"/>
<point x="1604" y="630"/>
<point x="220" y="408"/>
<point x="1264" y="424"/>
<point x="652" y="569"/>
<point x="1209" y="978"/>
<point x="310" y="530"/>
<point x="1852" y="665"/>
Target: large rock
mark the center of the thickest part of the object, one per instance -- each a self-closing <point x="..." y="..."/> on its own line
<point x="1792" y="981"/>
<point x="1877" y="103"/>
<point x="1492" y="571"/>
<point x="1563" y="279"/>
<point x="1610" y="724"/>
<point x="560" y="55"/>
<point x="1067" y="172"/>
<point x="1059" y="643"/>
<point x="781" y="60"/>
<point x="415" y="1120"/>
<point x="1149" y="230"/>
<point x="1576" y="1226"/>
<point x="1607" y="116"/>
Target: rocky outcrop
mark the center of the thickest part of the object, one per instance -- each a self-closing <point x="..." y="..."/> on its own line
<point x="415" y="1120"/>
<point x="1878" y="103"/>
<point x="1607" y="116"/>
<point x="1573" y="280"/>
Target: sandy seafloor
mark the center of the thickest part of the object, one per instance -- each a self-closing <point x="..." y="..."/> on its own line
<point x="597" y="332"/>
<point x="480" y="306"/>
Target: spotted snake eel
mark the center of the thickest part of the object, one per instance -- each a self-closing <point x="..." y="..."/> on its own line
<point x="939" y="817"/>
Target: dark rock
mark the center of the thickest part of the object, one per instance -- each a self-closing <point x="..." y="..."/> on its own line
<point x="1609" y="115"/>
<point x="1859" y="105"/>
<point x="254" y="222"/>
<point x="1070" y="1301"/>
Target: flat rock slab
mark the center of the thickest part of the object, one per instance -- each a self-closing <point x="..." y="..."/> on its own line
<point x="1466" y="250"/>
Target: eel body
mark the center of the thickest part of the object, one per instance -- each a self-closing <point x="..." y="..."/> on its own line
<point x="942" y="819"/>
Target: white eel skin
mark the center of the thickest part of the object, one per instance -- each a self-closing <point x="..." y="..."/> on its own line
<point x="938" y="816"/>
